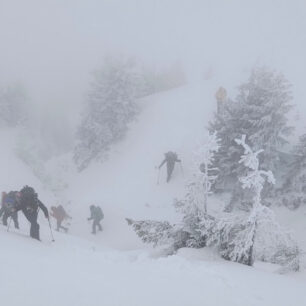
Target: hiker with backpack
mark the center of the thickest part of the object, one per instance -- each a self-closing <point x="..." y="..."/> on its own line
<point x="10" y="202"/>
<point x="96" y="214"/>
<point x="29" y="204"/>
<point x="170" y="159"/>
<point x="59" y="214"/>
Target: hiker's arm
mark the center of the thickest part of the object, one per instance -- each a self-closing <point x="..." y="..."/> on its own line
<point x="162" y="163"/>
<point x="18" y="207"/>
<point x="43" y="208"/>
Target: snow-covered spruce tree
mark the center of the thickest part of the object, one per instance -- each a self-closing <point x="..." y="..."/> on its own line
<point x="259" y="110"/>
<point x="12" y="106"/>
<point x="196" y="225"/>
<point x="293" y="192"/>
<point x="203" y="160"/>
<point x="238" y="238"/>
<point x="109" y="109"/>
<point x="254" y="180"/>
<point x="259" y="233"/>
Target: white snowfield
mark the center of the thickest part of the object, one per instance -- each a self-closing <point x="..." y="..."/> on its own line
<point x="76" y="272"/>
<point x="115" y="267"/>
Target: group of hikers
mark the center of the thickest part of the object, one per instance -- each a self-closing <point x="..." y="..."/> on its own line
<point x="26" y="200"/>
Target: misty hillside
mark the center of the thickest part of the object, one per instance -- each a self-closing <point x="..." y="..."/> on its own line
<point x="153" y="153"/>
<point x="126" y="185"/>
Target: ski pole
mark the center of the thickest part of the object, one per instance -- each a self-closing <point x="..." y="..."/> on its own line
<point x="51" y="233"/>
<point x="9" y="224"/>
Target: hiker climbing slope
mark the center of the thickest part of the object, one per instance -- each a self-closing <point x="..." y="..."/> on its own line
<point x="96" y="214"/>
<point x="59" y="214"/>
<point x="29" y="204"/>
<point x="170" y="160"/>
<point x="10" y="202"/>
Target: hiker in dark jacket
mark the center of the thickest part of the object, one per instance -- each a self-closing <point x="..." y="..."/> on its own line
<point x="10" y="201"/>
<point x="59" y="214"/>
<point x="170" y="160"/>
<point x="96" y="214"/>
<point x="29" y="204"/>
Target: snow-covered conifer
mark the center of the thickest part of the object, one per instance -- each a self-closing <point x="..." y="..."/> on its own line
<point x="259" y="110"/>
<point x="293" y="192"/>
<point x="259" y="235"/>
<point x="110" y="108"/>
<point x="204" y="159"/>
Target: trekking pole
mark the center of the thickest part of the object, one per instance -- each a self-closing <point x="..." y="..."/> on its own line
<point x="51" y="232"/>
<point x="9" y="224"/>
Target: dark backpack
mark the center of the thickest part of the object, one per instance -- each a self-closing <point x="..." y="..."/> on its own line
<point x="99" y="213"/>
<point x="28" y="198"/>
<point x="61" y="211"/>
<point x="171" y="156"/>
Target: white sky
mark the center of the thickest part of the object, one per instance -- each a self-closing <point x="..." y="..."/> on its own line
<point x="51" y="46"/>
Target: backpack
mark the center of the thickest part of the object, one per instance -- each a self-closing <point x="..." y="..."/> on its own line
<point x="61" y="212"/>
<point x="10" y="200"/>
<point x="171" y="156"/>
<point x="28" y="198"/>
<point x="99" y="213"/>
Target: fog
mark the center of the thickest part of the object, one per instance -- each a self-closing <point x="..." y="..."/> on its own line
<point x="52" y="46"/>
<point x="126" y="119"/>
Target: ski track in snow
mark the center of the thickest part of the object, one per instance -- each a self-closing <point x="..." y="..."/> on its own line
<point x="115" y="267"/>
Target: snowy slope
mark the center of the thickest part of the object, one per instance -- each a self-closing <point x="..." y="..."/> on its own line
<point x="77" y="272"/>
<point x="126" y="184"/>
<point x="115" y="267"/>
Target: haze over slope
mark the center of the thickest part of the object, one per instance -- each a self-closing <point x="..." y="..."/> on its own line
<point x="90" y="271"/>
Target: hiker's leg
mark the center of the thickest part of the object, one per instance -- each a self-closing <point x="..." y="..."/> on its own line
<point x="94" y="225"/>
<point x="1" y="211"/>
<point x="34" y="228"/>
<point x="62" y="227"/>
<point x="170" y="167"/>
<point x="99" y="226"/>
<point x="14" y="216"/>
<point x="5" y="217"/>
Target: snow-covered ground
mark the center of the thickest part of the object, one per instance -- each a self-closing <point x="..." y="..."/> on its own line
<point x="115" y="267"/>
<point x="77" y="272"/>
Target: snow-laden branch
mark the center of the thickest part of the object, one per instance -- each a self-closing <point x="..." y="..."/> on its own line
<point x="205" y="174"/>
